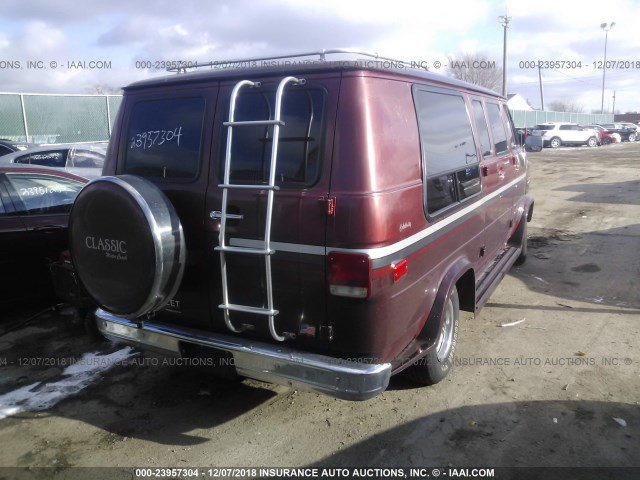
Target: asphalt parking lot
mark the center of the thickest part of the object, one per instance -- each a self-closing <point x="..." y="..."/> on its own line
<point x="558" y="387"/>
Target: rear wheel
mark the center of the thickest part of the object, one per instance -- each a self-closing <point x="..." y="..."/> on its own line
<point x="523" y="245"/>
<point x="555" y="142"/>
<point x="632" y="137"/>
<point x="592" y="142"/>
<point x="436" y="365"/>
<point x="606" y="141"/>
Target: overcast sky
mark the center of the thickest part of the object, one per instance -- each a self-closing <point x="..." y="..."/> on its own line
<point x="119" y="33"/>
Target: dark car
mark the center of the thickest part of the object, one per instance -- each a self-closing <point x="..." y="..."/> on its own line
<point x="627" y="133"/>
<point x="34" y="214"/>
<point x="318" y="225"/>
<point x="9" y="146"/>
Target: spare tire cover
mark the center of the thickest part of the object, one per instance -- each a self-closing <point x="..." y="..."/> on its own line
<point x="127" y="245"/>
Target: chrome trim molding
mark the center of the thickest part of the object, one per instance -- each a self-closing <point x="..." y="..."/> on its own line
<point x="388" y="250"/>
<point x="261" y="361"/>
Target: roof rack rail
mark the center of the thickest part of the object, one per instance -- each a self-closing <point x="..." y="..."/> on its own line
<point x="322" y="54"/>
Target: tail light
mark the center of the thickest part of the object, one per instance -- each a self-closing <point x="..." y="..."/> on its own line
<point x="349" y="275"/>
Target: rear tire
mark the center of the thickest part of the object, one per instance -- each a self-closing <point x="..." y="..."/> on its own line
<point x="523" y="246"/>
<point x="437" y="364"/>
<point x="592" y="142"/>
<point x="555" y="142"/>
<point x="632" y="137"/>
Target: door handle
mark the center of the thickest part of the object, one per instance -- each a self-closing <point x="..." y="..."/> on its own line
<point x="217" y="215"/>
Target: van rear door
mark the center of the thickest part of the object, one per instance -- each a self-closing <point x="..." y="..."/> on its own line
<point x="299" y="215"/>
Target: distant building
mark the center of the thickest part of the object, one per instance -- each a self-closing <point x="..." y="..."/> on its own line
<point x="627" y="117"/>
<point x="515" y="101"/>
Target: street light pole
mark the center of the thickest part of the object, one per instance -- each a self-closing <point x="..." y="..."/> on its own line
<point x="606" y="27"/>
<point x="504" y="21"/>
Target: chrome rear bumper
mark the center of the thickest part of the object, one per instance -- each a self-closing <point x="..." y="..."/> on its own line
<point x="261" y="361"/>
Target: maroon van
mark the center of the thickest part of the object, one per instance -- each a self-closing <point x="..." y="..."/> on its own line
<point x="313" y="224"/>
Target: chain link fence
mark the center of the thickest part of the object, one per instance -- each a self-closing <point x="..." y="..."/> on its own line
<point x="529" y="118"/>
<point x="46" y="118"/>
<point x="42" y="118"/>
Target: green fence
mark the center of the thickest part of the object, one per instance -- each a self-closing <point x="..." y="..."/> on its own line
<point x="529" y="118"/>
<point x="37" y="118"/>
<point x="40" y="118"/>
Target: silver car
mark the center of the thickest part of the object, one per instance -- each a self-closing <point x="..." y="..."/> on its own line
<point x="84" y="159"/>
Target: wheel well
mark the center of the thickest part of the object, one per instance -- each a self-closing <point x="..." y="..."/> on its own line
<point x="466" y="286"/>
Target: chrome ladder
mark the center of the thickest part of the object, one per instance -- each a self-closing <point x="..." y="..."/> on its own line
<point x="265" y="249"/>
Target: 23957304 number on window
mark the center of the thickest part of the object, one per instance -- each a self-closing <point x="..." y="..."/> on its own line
<point x="155" y="138"/>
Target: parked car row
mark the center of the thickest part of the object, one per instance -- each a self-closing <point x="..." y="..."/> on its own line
<point x="556" y="134"/>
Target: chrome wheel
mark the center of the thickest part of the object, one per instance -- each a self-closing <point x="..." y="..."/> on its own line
<point x="446" y="337"/>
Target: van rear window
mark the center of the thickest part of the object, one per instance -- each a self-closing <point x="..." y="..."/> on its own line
<point x="164" y="138"/>
<point x="299" y="141"/>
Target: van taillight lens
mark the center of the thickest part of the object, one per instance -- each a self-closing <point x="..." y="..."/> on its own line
<point x="349" y="275"/>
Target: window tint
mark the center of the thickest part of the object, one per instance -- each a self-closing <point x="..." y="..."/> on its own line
<point x="4" y="150"/>
<point x="449" y="156"/>
<point x="543" y="127"/>
<point x="299" y="141"/>
<point x="2" y="210"/>
<point x="53" y="158"/>
<point x="497" y="128"/>
<point x="41" y="193"/>
<point x="164" y="138"/>
<point x="483" y="130"/>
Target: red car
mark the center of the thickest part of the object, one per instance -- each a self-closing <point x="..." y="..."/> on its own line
<point x="605" y="137"/>
<point x="34" y="215"/>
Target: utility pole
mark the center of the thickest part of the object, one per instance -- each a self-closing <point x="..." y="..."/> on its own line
<point x="606" y="27"/>
<point x="541" y="93"/>
<point x="613" y="110"/>
<point x="504" y="21"/>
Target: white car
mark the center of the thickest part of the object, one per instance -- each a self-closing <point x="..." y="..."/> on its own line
<point x="555" y="134"/>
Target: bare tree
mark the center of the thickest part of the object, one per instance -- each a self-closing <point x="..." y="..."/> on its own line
<point x="101" y="89"/>
<point x="562" y="106"/>
<point x="476" y="68"/>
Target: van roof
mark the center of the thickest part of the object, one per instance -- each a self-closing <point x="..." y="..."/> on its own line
<point x="231" y="71"/>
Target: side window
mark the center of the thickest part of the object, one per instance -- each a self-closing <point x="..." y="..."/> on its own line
<point x="497" y="128"/>
<point x="53" y="158"/>
<point x="298" y="144"/>
<point x="2" y="209"/>
<point x="164" y="138"/>
<point x="514" y="139"/>
<point x="85" y="159"/>
<point x="41" y="193"/>
<point x="566" y="127"/>
<point x="4" y="150"/>
<point x="483" y="129"/>
<point x="449" y="156"/>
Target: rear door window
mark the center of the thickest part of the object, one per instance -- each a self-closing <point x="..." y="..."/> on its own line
<point x="164" y="138"/>
<point x="299" y="141"/>
<point x="44" y="194"/>
<point x="449" y="155"/>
